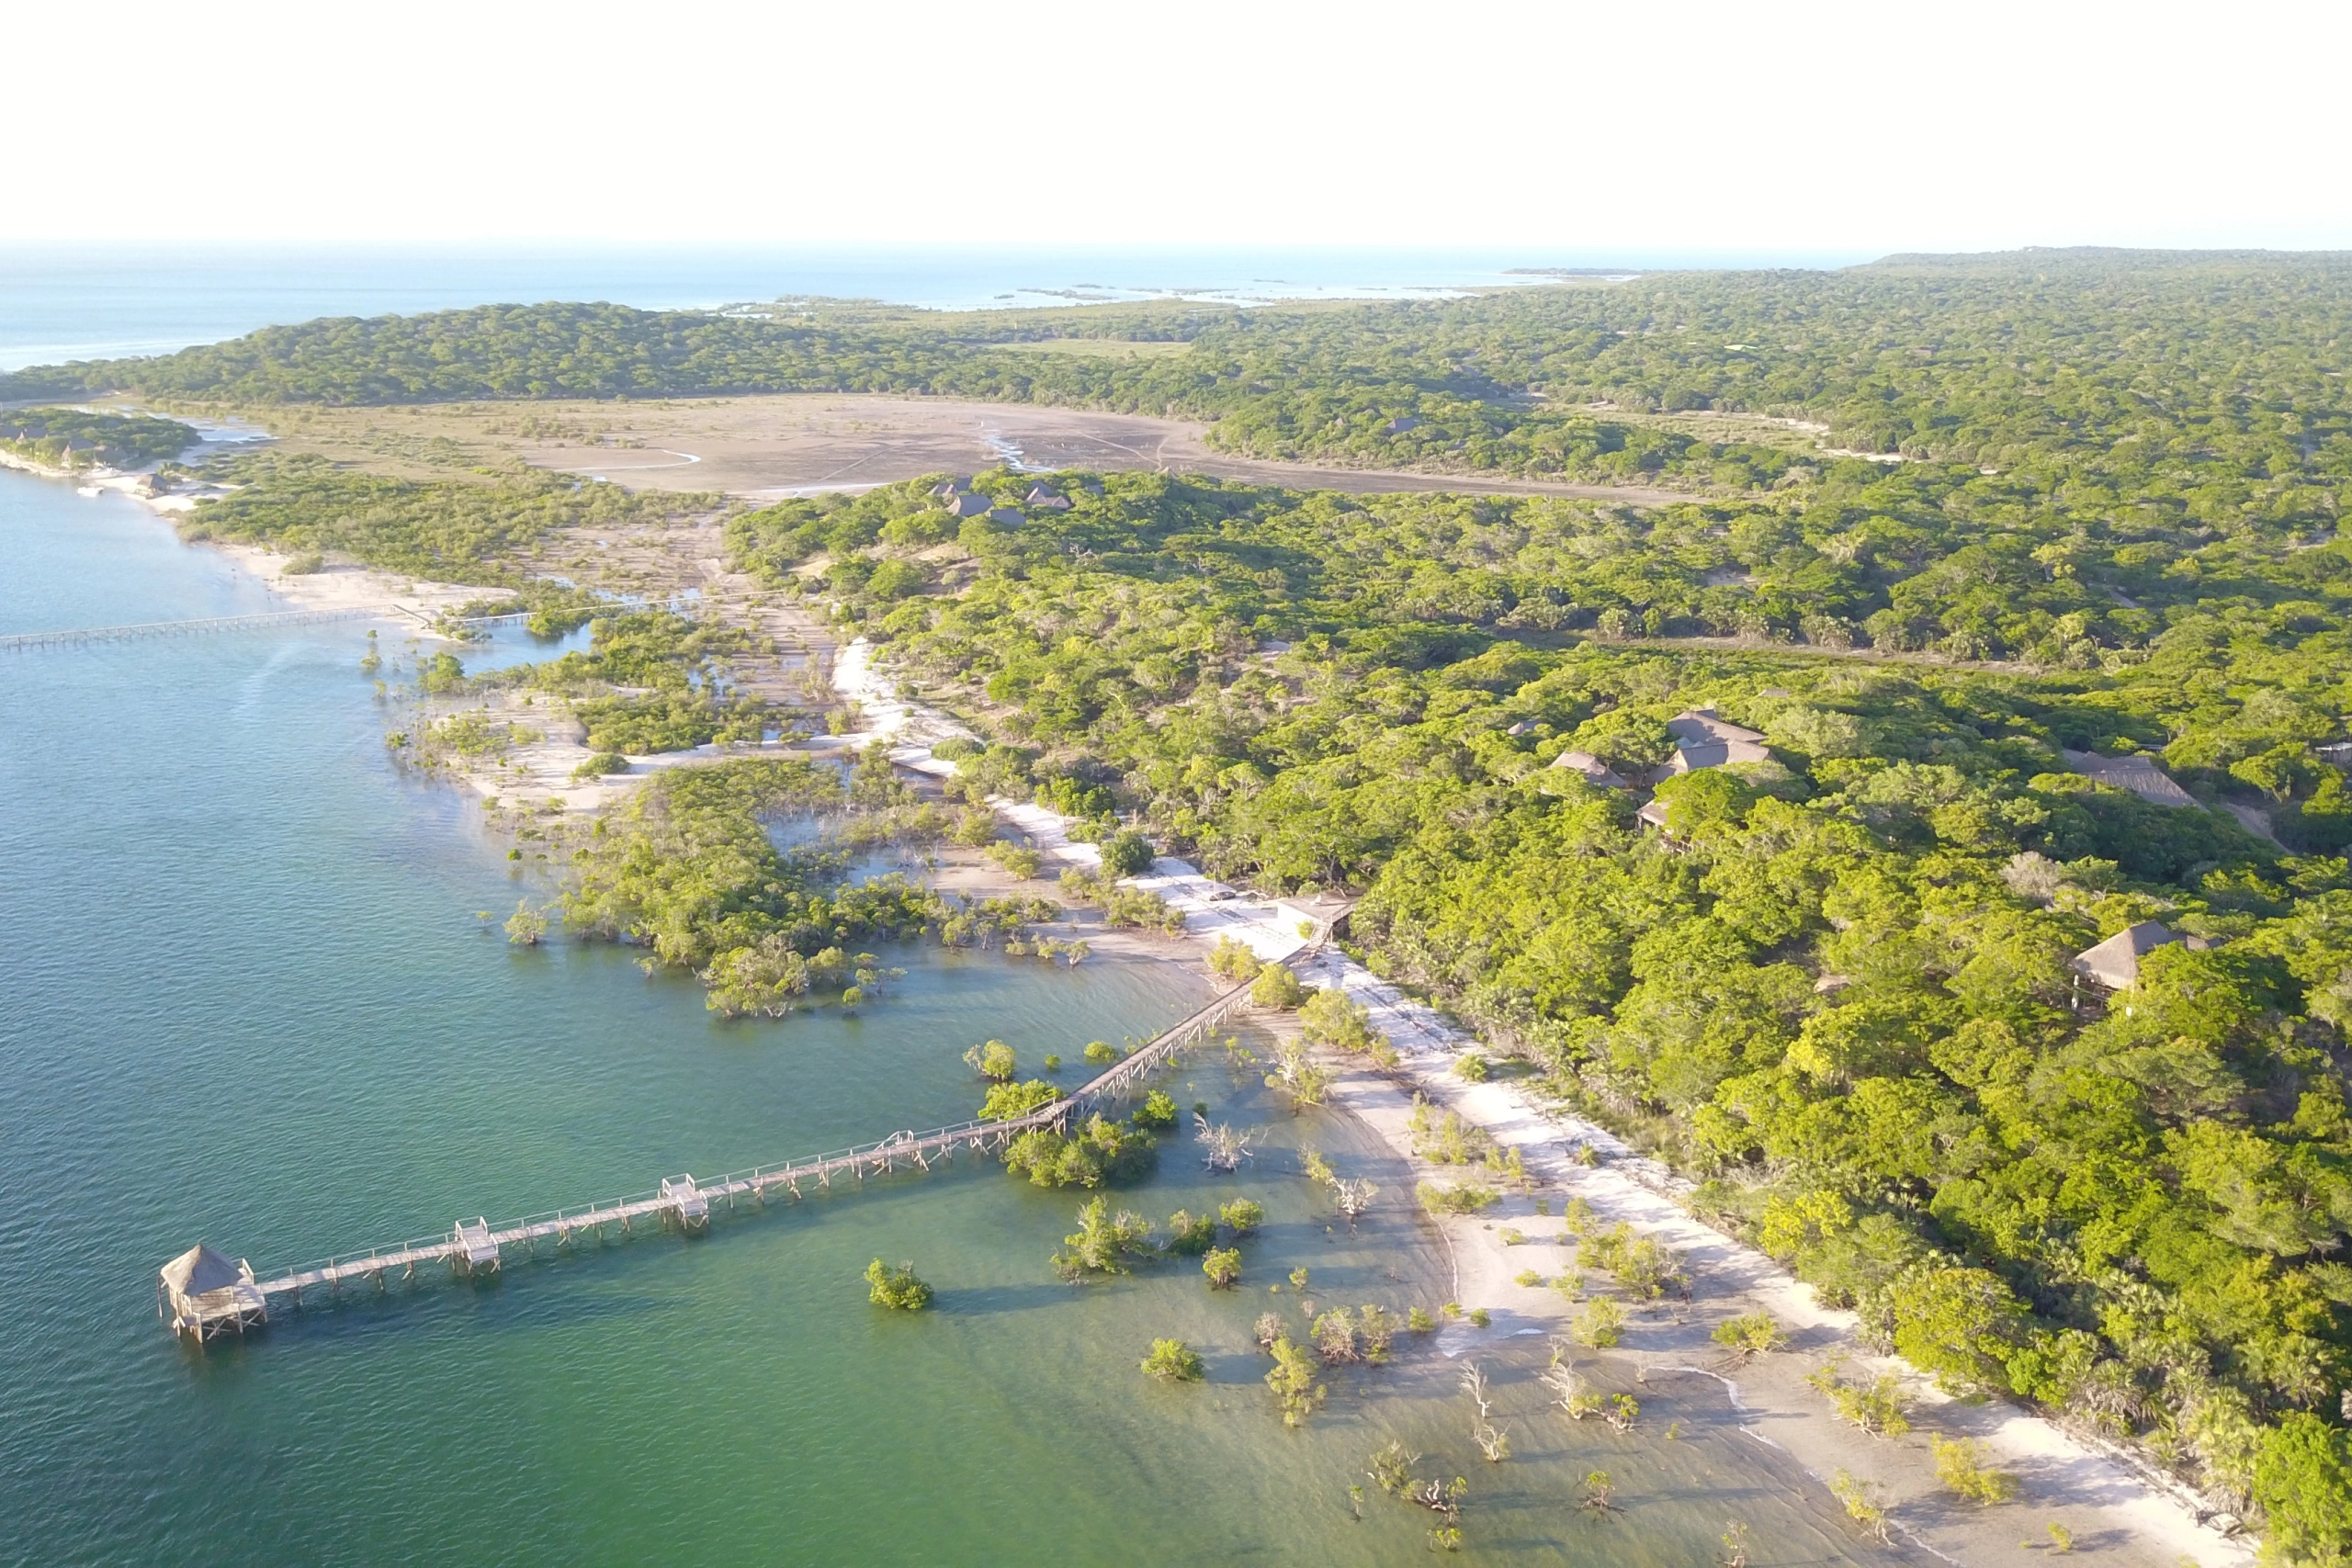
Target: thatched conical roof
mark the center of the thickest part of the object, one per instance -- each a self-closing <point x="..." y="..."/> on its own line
<point x="200" y="1270"/>
<point x="2115" y="963"/>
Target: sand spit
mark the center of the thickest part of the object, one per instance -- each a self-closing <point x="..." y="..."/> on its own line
<point x="2107" y="1506"/>
<point x="411" y="604"/>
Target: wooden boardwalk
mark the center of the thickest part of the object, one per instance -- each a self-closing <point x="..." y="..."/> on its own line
<point x="685" y="1203"/>
<point x="274" y="620"/>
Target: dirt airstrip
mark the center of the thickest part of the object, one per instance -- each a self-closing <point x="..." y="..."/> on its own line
<point x="768" y="448"/>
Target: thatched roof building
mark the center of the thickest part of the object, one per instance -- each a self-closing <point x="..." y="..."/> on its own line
<point x="204" y="1294"/>
<point x="1594" y="770"/>
<point x="2137" y="774"/>
<point x="1703" y="739"/>
<point x="2115" y="963"/>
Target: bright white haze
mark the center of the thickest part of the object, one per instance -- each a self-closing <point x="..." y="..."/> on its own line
<point x="1753" y="128"/>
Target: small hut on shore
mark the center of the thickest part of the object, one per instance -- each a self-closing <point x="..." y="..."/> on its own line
<point x="204" y="1295"/>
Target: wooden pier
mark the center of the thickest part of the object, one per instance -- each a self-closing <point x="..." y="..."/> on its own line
<point x="77" y="637"/>
<point x="274" y="620"/>
<point x="477" y="1248"/>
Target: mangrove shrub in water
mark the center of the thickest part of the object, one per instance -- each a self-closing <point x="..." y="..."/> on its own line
<point x="896" y="1288"/>
<point x="1172" y="1360"/>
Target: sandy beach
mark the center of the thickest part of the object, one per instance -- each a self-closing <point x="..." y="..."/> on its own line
<point x="2105" y="1503"/>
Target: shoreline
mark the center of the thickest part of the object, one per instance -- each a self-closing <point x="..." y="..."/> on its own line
<point x="411" y="604"/>
<point x="2108" y="1504"/>
<point x="2107" y="1501"/>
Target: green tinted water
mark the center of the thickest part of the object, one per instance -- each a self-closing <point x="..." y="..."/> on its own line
<point x="247" y="1001"/>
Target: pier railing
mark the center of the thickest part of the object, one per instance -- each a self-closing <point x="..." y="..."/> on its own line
<point x="72" y="637"/>
<point x="684" y="1201"/>
<point x="272" y="620"/>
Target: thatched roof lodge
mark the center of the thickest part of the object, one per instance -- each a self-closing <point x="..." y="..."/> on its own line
<point x="2115" y="963"/>
<point x="1594" y="770"/>
<point x="1703" y="739"/>
<point x="203" y="1294"/>
<point x="2137" y="774"/>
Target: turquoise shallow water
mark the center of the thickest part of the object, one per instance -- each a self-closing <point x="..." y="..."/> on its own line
<point x="247" y="1001"/>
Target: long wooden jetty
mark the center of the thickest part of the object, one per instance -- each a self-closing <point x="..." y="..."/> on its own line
<point x="75" y="636"/>
<point x="272" y="620"/>
<point x="203" y="1297"/>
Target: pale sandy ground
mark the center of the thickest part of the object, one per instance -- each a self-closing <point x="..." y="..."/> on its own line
<point x="768" y="447"/>
<point x="2110" y="1508"/>
<point x="405" y="601"/>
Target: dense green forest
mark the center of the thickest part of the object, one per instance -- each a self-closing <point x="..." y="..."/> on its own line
<point x="1838" y="991"/>
<point x="77" y="438"/>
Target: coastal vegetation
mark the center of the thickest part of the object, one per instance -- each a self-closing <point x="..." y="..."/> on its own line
<point x="1172" y="1360"/>
<point x="1103" y="1244"/>
<point x="898" y="1289"/>
<point x="1961" y="1466"/>
<point x="1100" y="1152"/>
<point x="79" y="438"/>
<point x="473" y="529"/>
<point x="1749" y="1334"/>
<point x="1296" y="1393"/>
<point x="1837" y="984"/>
<point x="652" y="680"/>
<point x="685" y="868"/>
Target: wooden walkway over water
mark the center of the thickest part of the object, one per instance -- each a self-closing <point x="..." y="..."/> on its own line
<point x="77" y="637"/>
<point x="273" y="620"/>
<point x="680" y="1202"/>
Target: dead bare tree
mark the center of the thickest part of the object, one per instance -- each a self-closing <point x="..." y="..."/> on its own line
<point x="1493" y="1441"/>
<point x="1560" y="1376"/>
<point x="1353" y="1197"/>
<point x="1224" y="1147"/>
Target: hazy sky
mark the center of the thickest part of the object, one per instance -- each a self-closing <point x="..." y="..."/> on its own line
<point x="1751" y="126"/>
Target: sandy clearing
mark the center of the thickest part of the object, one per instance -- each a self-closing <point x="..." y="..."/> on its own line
<point x="769" y="447"/>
